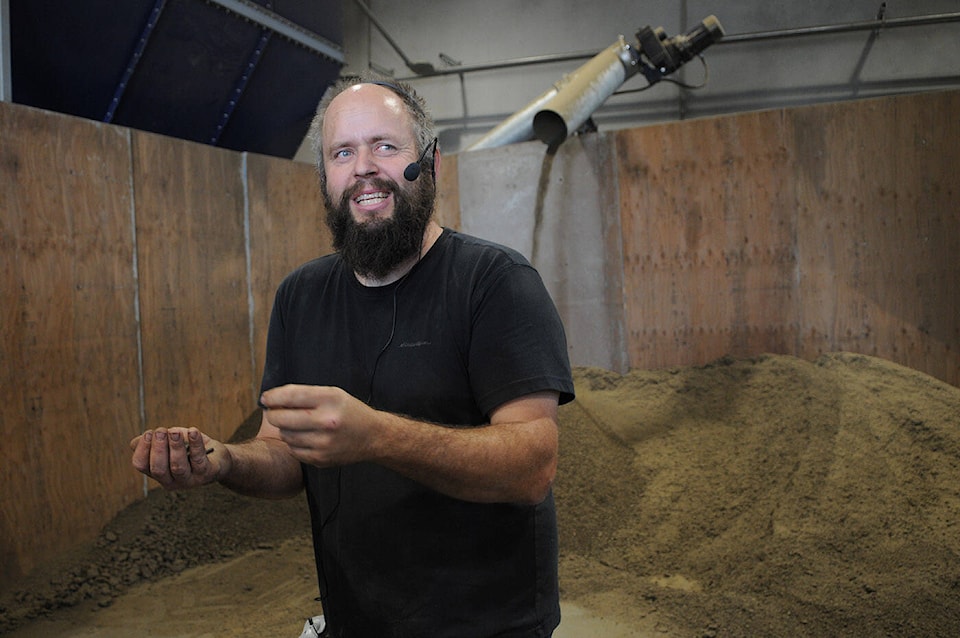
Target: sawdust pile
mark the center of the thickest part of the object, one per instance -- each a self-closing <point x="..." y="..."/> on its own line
<point x="770" y="496"/>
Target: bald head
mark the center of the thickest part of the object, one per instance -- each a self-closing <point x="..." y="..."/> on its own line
<point x="395" y="94"/>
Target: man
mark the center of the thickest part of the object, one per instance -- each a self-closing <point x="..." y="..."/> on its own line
<point x="411" y="388"/>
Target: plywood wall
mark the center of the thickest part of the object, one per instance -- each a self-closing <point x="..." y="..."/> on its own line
<point x="286" y="229"/>
<point x="191" y="258"/>
<point x="708" y="225"/>
<point x="137" y="272"/>
<point x="128" y="303"/>
<point x="68" y="333"/>
<point x="800" y="231"/>
<point x="138" y="275"/>
<point x="879" y="227"/>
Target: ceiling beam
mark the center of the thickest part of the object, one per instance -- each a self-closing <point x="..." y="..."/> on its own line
<point x="283" y="27"/>
<point x="6" y="84"/>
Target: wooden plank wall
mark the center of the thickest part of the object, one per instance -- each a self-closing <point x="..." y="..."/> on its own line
<point x="287" y="228"/>
<point x="879" y="230"/>
<point x="126" y="304"/>
<point x="191" y="259"/>
<point x="138" y="274"/>
<point x="68" y="333"/>
<point x="709" y="265"/>
<point x="800" y="231"/>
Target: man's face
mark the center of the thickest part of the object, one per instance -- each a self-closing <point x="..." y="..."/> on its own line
<point x="367" y="134"/>
<point x="376" y="216"/>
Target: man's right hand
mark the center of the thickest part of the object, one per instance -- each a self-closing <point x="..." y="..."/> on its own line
<point x="178" y="458"/>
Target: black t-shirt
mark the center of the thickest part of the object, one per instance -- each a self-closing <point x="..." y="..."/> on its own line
<point x="468" y="329"/>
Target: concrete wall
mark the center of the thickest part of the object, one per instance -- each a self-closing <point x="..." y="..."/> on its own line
<point x="561" y="211"/>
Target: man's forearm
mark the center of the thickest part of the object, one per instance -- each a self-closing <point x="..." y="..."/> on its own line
<point x="261" y="467"/>
<point x="513" y="462"/>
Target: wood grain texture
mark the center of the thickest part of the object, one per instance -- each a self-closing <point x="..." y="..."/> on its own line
<point x="287" y="228"/>
<point x="195" y="320"/>
<point x="800" y="231"/>
<point x="68" y="343"/>
<point x="708" y="226"/>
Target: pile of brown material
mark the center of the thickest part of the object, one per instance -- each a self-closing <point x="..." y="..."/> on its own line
<point x="159" y="537"/>
<point x="772" y="497"/>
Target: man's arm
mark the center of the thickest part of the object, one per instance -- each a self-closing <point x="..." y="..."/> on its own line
<point x="262" y="467"/>
<point x="177" y="458"/>
<point x="512" y="459"/>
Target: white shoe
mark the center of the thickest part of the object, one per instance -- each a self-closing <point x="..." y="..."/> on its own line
<point x="313" y="627"/>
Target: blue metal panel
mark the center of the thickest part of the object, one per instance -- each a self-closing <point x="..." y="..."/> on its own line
<point x="185" y="68"/>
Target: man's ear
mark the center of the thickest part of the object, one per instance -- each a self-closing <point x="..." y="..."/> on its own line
<point x="436" y="163"/>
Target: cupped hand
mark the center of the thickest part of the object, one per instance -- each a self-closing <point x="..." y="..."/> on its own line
<point x="178" y="458"/>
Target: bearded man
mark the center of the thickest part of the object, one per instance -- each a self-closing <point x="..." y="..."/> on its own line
<point x="411" y="387"/>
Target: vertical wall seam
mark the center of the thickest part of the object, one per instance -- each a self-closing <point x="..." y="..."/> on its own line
<point x="788" y="141"/>
<point x="682" y="76"/>
<point x="251" y="306"/>
<point x="135" y="265"/>
<point x="609" y="156"/>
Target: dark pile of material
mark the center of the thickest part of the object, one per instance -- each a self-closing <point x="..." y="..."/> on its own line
<point x="163" y="535"/>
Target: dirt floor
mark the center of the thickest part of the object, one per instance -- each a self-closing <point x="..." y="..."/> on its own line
<point x="765" y="497"/>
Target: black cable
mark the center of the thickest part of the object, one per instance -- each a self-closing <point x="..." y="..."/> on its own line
<point x="393" y="330"/>
<point x="683" y="85"/>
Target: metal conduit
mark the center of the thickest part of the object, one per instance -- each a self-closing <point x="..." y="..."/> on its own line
<point x="867" y="25"/>
<point x="278" y="24"/>
<point x="6" y="82"/>
<point x="740" y="38"/>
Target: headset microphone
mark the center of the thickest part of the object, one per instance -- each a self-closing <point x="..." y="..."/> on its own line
<point x="412" y="171"/>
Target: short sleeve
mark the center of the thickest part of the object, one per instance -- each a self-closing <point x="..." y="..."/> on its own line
<point x="518" y="344"/>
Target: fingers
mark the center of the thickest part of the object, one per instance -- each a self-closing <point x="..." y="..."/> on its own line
<point x="141" y="452"/>
<point x="178" y="456"/>
<point x="197" y="450"/>
<point x="321" y="425"/>
<point x="159" y="462"/>
<point x="174" y="457"/>
<point x="298" y="397"/>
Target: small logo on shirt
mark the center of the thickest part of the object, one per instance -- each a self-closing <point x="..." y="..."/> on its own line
<point x="414" y="344"/>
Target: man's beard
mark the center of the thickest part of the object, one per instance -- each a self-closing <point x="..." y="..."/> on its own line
<point x="375" y="248"/>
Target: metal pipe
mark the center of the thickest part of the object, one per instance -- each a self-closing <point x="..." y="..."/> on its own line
<point x="582" y="92"/>
<point x="516" y="128"/>
<point x="420" y="68"/>
<point x="6" y="72"/>
<point x="281" y="26"/>
<point x="571" y="100"/>
<point x="868" y="25"/>
<point x="740" y="38"/>
<point x="548" y="58"/>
